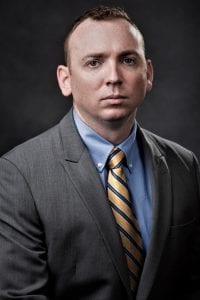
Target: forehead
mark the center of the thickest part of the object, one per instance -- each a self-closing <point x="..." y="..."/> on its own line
<point x="97" y="36"/>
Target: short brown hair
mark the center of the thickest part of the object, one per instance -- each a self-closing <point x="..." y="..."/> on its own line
<point x="99" y="13"/>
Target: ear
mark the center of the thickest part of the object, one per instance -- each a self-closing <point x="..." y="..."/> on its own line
<point x="149" y="75"/>
<point x="63" y="77"/>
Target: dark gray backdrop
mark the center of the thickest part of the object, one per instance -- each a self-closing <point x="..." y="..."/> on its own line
<point x="31" y="40"/>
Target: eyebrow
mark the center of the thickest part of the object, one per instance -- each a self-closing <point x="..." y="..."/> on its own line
<point x="129" y="52"/>
<point x="101" y="54"/>
<point x="93" y="55"/>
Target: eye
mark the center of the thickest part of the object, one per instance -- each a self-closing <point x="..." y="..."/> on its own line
<point x="93" y="63"/>
<point x="129" y="61"/>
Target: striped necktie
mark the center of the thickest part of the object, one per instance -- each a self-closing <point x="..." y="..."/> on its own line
<point x="126" y="221"/>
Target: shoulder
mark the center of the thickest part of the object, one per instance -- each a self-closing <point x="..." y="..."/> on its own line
<point x="181" y="163"/>
<point x="49" y="141"/>
<point x="34" y="146"/>
<point x="172" y="151"/>
<point x="35" y="153"/>
<point x="45" y="150"/>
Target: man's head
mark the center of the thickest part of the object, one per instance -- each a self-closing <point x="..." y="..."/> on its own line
<point x="107" y="72"/>
<point x="100" y="13"/>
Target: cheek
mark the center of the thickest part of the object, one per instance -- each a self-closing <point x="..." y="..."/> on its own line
<point x="140" y="83"/>
<point x="83" y="91"/>
<point x="84" y="82"/>
<point x="78" y="88"/>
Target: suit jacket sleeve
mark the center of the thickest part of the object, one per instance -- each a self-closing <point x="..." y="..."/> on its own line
<point x="23" y="262"/>
<point x="195" y="277"/>
<point x="197" y="167"/>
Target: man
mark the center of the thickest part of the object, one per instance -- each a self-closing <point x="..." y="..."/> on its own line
<point x="62" y="233"/>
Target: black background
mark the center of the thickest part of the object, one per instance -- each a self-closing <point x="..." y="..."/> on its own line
<point x="31" y="47"/>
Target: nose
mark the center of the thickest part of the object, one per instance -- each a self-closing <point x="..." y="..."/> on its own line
<point x="113" y="74"/>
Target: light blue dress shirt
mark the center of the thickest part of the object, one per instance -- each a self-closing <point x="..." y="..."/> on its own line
<point x="135" y="171"/>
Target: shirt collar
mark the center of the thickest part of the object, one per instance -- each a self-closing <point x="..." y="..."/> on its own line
<point x="99" y="148"/>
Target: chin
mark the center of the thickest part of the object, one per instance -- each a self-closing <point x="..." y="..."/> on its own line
<point x="115" y="121"/>
<point x="115" y="116"/>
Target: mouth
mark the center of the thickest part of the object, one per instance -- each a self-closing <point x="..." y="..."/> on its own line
<point x="114" y="97"/>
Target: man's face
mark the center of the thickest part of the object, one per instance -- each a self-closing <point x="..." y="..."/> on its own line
<point x="108" y="73"/>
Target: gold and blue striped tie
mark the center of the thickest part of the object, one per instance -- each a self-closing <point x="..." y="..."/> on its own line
<point x="119" y="198"/>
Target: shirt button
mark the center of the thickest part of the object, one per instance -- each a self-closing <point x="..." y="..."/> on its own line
<point x="130" y="166"/>
<point x="99" y="165"/>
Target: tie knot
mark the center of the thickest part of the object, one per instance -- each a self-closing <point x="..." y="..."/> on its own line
<point x="115" y="158"/>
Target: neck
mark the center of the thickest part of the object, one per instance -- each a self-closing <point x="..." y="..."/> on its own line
<point x="115" y="131"/>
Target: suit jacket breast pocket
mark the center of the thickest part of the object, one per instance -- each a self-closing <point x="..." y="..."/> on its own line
<point x="181" y="242"/>
<point x="183" y="253"/>
<point x="186" y="229"/>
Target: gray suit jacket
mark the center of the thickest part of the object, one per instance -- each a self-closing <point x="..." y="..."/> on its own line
<point x="58" y="238"/>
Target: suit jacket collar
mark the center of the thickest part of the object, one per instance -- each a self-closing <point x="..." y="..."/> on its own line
<point x="78" y="165"/>
<point x="84" y="176"/>
<point x="161" y="206"/>
<point x="73" y="147"/>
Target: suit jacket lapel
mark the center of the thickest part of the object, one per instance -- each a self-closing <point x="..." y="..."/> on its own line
<point x="84" y="176"/>
<point x="80" y="169"/>
<point x="161" y="205"/>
